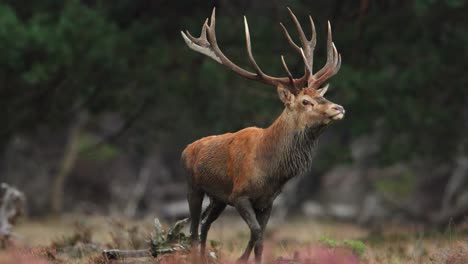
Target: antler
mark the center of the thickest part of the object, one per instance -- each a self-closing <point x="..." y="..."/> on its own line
<point x="333" y="63"/>
<point x="207" y="45"/>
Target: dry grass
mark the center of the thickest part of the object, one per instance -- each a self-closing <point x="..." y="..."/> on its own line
<point x="295" y="241"/>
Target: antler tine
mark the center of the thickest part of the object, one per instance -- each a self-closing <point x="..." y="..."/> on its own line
<point x="332" y="65"/>
<point x="329" y="52"/>
<point x="307" y="45"/>
<point x="304" y="58"/>
<point x="307" y="48"/>
<point x="260" y="74"/>
<point x="202" y="35"/>
<point x="204" y="28"/>
<point x="302" y="36"/>
<point x="200" y="44"/>
<point x="206" y="44"/>
<point x="290" y="76"/>
<point x="213" y="19"/>
<point x="313" y="41"/>
<point x="288" y="37"/>
<point x="330" y="70"/>
<point x="308" y="70"/>
<point x="249" y="49"/>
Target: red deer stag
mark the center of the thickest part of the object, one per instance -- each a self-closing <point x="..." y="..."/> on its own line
<point x="247" y="169"/>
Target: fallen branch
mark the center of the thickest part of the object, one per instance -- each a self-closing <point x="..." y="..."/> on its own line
<point x="161" y="242"/>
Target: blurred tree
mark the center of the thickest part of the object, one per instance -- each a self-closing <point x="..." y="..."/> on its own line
<point x="403" y="70"/>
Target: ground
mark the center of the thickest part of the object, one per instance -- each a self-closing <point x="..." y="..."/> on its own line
<point x="397" y="244"/>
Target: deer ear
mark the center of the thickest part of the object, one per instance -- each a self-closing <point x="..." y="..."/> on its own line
<point x="323" y="90"/>
<point x="284" y="94"/>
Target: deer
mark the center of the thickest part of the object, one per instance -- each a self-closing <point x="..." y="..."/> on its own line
<point x="247" y="169"/>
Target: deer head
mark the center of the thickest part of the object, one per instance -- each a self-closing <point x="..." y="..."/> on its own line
<point x="303" y="97"/>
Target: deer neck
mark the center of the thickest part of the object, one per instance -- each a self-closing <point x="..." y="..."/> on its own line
<point x="287" y="148"/>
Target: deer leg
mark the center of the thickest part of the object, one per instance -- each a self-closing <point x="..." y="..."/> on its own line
<point x="246" y="211"/>
<point x="262" y="217"/>
<point x="195" y="199"/>
<point x="214" y="211"/>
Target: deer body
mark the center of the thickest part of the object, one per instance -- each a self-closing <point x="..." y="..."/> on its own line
<point x="247" y="169"/>
<point x="254" y="162"/>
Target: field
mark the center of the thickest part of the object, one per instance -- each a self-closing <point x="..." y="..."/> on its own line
<point x="80" y="239"/>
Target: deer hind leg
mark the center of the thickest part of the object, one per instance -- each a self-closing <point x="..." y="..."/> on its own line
<point x="195" y="200"/>
<point x="246" y="211"/>
<point x="213" y="212"/>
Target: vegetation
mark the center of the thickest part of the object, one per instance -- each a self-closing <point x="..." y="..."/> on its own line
<point x="344" y="243"/>
<point x="402" y="68"/>
<point x="123" y="65"/>
<point x="357" y="246"/>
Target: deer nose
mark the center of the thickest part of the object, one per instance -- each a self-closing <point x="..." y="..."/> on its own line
<point x="338" y="108"/>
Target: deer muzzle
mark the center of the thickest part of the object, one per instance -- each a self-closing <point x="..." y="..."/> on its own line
<point x="338" y="112"/>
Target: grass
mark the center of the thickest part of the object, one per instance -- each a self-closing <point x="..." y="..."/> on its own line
<point x="64" y="241"/>
<point x="357" y="246"/>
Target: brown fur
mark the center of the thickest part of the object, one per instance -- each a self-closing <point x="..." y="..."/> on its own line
<point x="247" y="169"/>
<point x="257" y="162"/>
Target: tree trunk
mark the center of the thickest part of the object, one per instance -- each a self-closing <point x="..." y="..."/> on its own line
<point x="69" y="157"/>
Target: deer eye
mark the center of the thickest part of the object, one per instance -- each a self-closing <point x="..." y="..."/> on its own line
<point x="306" y="102"/>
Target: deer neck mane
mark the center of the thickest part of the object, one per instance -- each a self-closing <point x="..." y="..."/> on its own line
<point x="289" y="148"/>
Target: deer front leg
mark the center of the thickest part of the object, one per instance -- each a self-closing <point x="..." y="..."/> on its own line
<point x="246" y="211"/>
<point x="262" y="217"/>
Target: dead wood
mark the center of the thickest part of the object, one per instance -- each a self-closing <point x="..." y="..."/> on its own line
<point x="161" y="242"/>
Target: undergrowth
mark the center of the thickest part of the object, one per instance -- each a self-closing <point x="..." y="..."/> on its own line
<point x="357" y="246"/>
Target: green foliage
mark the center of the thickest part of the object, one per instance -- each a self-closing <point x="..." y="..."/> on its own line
<point x="357" y="246"/>
<point x="402" y="69"/>
<point x="91" y="147"/>
<point x="329" y="242"/>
